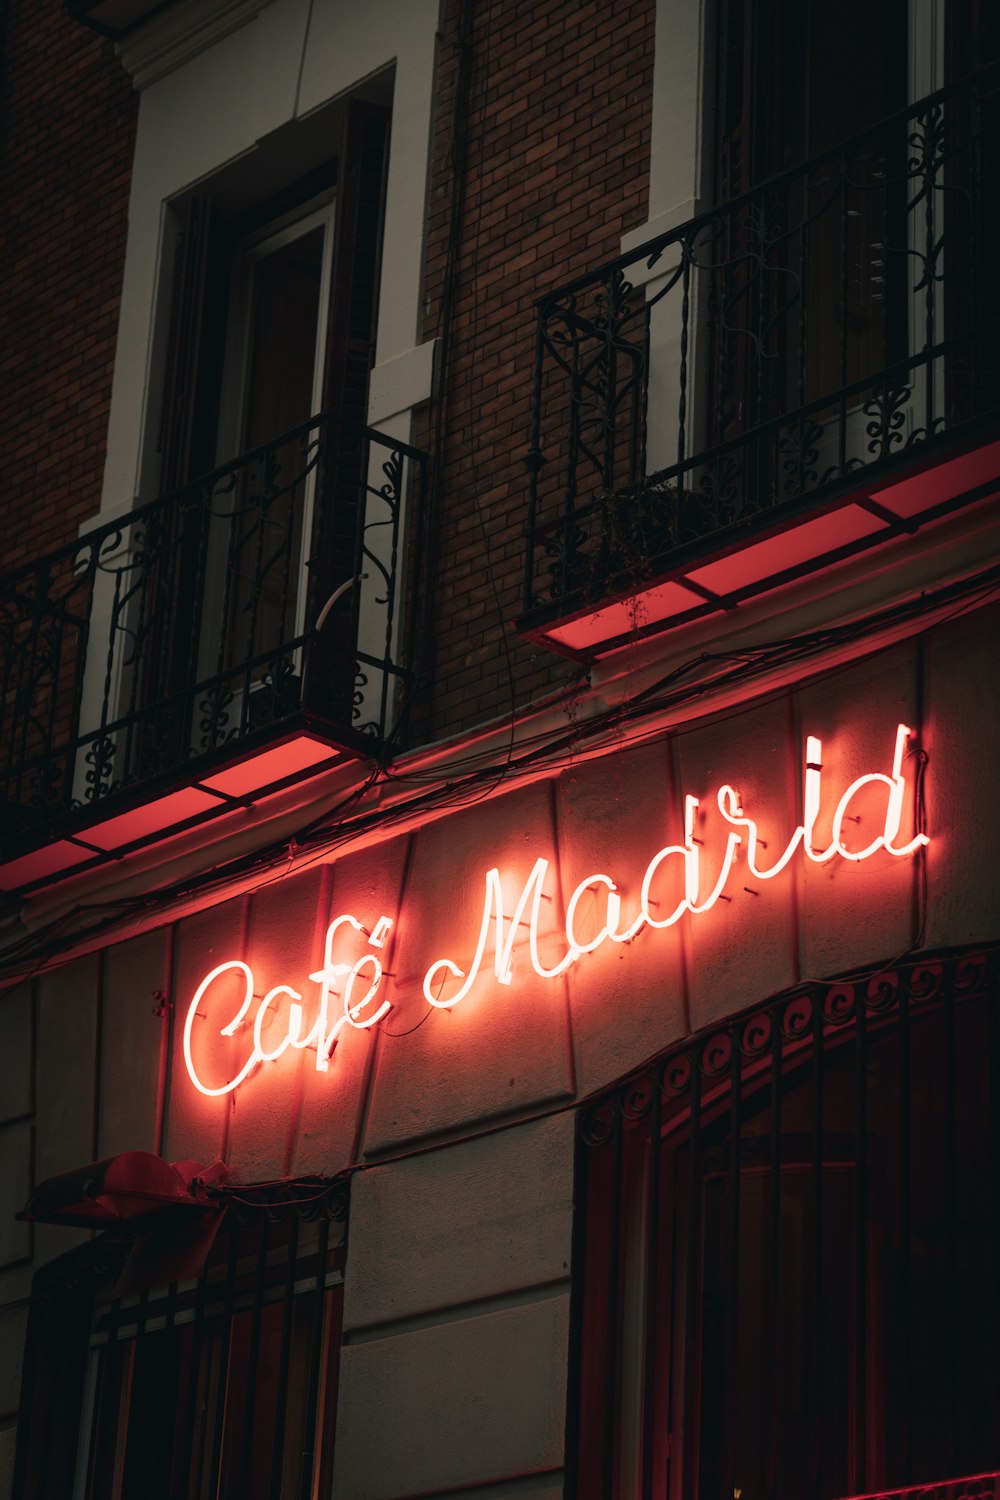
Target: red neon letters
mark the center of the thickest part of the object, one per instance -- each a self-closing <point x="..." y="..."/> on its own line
<point x="321" y="1035"/>
<point x="445" y="984"/>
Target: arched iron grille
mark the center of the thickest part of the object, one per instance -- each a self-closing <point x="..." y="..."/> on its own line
<point x="788" y="1249"/>
<point x="219" y="1385"/>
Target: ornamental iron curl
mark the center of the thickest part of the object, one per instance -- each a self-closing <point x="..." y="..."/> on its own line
<point x="925" y="981"/>
<point x="781" y="345"/>
<point x="675" y="1076"/>
<point x="599" y="1125"/>
<point x="756" y="1034"/>
<point x="797" y="1017"/>
<point x="882" y="991"/>
<point x="717" y="1055"/>
<point x="839" y="1005"/>
<point x="205" y="616"/>
<point x="637" y="1098"/>
<point x="789" y="1029"/>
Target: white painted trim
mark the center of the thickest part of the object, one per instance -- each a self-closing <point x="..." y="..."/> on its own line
<point x="290" y="59"/>
<point x="669" y="219"/>
<point x="400" y="383"/>
<point x="678" y="149"/>
<point x="179" y="33"/>
<point x="104" y="517"/>
<point x="640" y="274"/>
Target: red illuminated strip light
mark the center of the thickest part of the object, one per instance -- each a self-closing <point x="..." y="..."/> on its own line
<point x="976" y="1487"/>
<point x="445" y="984"/>
<point x="247" y="780"/>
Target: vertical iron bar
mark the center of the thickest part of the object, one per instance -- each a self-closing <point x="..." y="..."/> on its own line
<point x="296" y="488"/>
<point x="264" y="503"/>
<point x="109" y="659"/>
<point x="166" y="525"/>
<point x="683" y="373"/>
<point x="55" y="698"/>
<point x="977" y="236"/>
<point x="758" y="397"/>
<point x="692" y="1321"/>
<point x="814" y="1372"/>
<point x="637" y="398"/>
<point x="117" y="1362"/>
<point x="717" y="333"/>
<point x="992" y="1002"/>
<point x="80" y="667"/>
<point x="224" y="684"/>
<point x="800" y="352"/>
<point x="951" y="1209"/>
<point x="140" y="615"/>
<point x="138" y="1343"/>
<point x="229" y="1296"/>
<point x="253" y="1357"/>
<point x="611" y="1348"/>
<point x="732" y="1306"/>
<point x="844" y="296"/>
<point x="183" y="1452"/>
<point x="653" y="1354"/>
<point x="11" y="655"/>
<point x="573" y="444"/>
<point x="31" y="656"/>
<point x="21" y="718"/>
<point x="400" y="469"/>
<point x="287" y="1311"/>
<point x="929" y="273"/>
<point x="415" y="656"/>
<point x="771" y="1348"/>
<point x="643" y="397"/>
<point x="905" y="1245"/>
<point x="311" y="1415"/>
<point x="202" y="522"/>
<point x="610" y="384"/>
<point x="533" y="460"/>
<point x="861" y="1247"/>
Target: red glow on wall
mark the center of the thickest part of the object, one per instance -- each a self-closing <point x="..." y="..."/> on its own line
<point x="972" y="1487"/>
<point x="787" y="550"/>
<point x="680" y="879"/>
<point x="150" y="817"/>
<point x="289" y="759"/>
<point x="801" y="546"/>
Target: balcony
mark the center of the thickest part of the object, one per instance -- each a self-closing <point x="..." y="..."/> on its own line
<point x="203" y="651"/>
<point x="806" y="371"/>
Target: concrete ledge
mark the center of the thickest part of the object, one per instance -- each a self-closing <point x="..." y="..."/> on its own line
<point x="458" y="1406"/>
<point x="398" y="384"/>
<point x="469" y="1221"/>
<point x="662" y="223"/>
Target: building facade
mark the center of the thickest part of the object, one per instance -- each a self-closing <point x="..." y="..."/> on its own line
<point x="500" y="938"/>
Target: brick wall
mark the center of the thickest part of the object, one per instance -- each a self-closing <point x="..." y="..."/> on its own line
<point x="557" y="162"/>
<point x="67" y="128"/>
<point x="556" y="169"/>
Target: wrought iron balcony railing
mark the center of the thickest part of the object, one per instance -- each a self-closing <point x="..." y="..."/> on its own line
<point x="263" y="595"/>
<point x="787" y="1277"/>
<point x="767" y="357"/>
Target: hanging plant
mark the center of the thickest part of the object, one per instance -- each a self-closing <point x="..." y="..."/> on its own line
<point x="612" y="547"/>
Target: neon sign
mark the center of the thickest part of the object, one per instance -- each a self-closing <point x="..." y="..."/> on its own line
<point x="350" y="989"/>
<point x="322" y="1035"/>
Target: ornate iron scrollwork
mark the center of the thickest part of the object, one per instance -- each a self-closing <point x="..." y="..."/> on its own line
<point x="801" y="334"/>
<point x="186" y="625"/>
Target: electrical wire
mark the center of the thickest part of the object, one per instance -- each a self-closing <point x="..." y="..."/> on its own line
<point x="545" y="753"/>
